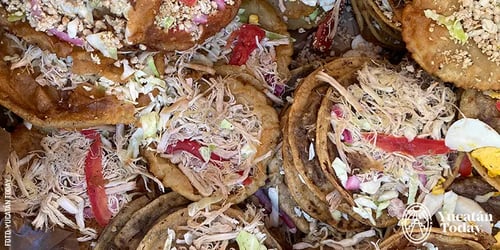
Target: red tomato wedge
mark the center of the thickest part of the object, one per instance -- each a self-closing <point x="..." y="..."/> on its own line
<point x="417" y="147"/>
<point x="246" y="37"/>
<point x="465" y="167"/>
<point x="95" y="179"/>
<point x="498" y="105"/>
<point x="189" y="3"/>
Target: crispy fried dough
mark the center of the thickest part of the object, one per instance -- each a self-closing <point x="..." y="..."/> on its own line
<point x="302" y="124"/>
<point x="429" y="43"/>
<point x="106" y="237"/>
<point x="304" y="197"/>
<point x="344" y="70"/>
<point x="271" y="21"/>
<point x="42" y="40"/>
<point x="245" y="94"/>
<point x="441" y="240"/>
<point x="475" y="104"/>
<point x="142" y="29"/>
<point x="156" y="236"/>
<point x="46" y="106"/>
<point x="145" y="217"/>
<point x="296" y="14"/>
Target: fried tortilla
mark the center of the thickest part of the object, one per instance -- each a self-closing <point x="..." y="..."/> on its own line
<point x="47" y="106"/>
<point x="306" y="198"/>
<point x="374" y="28"/>
<point x="176" y="225"/>
<point x="142" y="26"/>
<point x="441" y="240"/>
<point x="185" y="179"/>
<point x="296" y="14"/>
<point x="132" y="232"/>
<point x="458" y="58"/>
<point x="301" y="125"/>
<point x="109" y="26"/>
<point x="343" y="124"/>
<point x="269" y="20"/>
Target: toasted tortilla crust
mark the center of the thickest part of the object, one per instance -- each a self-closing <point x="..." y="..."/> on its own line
<point x="296" y="14"/>
<point x="155" y="238"/>
<point x="302" y="121"/>
<point x="173" y="177"/>
<point x="141" y="27"/>
<point x="271" y="21"/>
<point x="46" y="106"/>
<point x="304" y="197"/>
<point x="442" y="240"/>
<point x="428" y="42"/>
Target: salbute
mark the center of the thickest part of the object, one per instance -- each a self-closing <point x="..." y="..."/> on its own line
<point x="463" y="223"/>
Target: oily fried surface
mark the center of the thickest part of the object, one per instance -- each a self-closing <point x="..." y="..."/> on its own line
<point x="476" y="105"/>
<point x="157" y="235"/>
<point x="245" y="94"/>
<point x="46" y="106"/>
<point x="431" y="44"/>
<point x="42" y="40"/>
<point x="271" y="21"/>
<point x="307" y="200"/>
<point x="141" y="27"/>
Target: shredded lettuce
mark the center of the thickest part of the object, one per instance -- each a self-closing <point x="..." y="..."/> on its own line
<point x="454" y="26"/>
<point x="248" y="241"/>
<point x="149" y="124"/>
<point x="340" y="169"/>
<point x="225" y="124"/>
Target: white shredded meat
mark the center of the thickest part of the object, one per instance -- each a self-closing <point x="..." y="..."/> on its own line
<point x="213" y="229"/>
<point x="221" y="126"/>
<point x="397" y="104"/>
<point x="52" y="186"/>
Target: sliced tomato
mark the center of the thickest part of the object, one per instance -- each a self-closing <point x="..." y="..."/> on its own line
<point x="189" y="3"/>
<point x="465" y="167"/>
<point x="192" y="147"/>
<point x="95" y="179"/>
<point x="246" y="37"/>
<point x="498" y="105"/>
<point x="417" y="147"/>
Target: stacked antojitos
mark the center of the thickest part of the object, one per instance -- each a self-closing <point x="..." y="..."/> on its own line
<point x="121" y="99"/>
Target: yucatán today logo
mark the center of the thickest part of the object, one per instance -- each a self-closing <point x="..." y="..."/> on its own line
<point x="416" y="222"/>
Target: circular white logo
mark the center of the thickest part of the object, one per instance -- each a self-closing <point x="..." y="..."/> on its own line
<point x="416" y="223"/>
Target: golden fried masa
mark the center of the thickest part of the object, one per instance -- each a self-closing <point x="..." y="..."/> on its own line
<point x="46" y="106"/>
<point x="244" y="94"/>
<point x="141" y="27"/>
<point x="180" y="220"/>
<point x="269" y="20"/>
<point x="434" y="49"/>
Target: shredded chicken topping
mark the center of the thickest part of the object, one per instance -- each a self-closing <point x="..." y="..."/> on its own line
<point x="396" y="104"/>
<point x="213" y="229"/>
<point x="222" y="127"/>
<point x="50" y="184"/>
